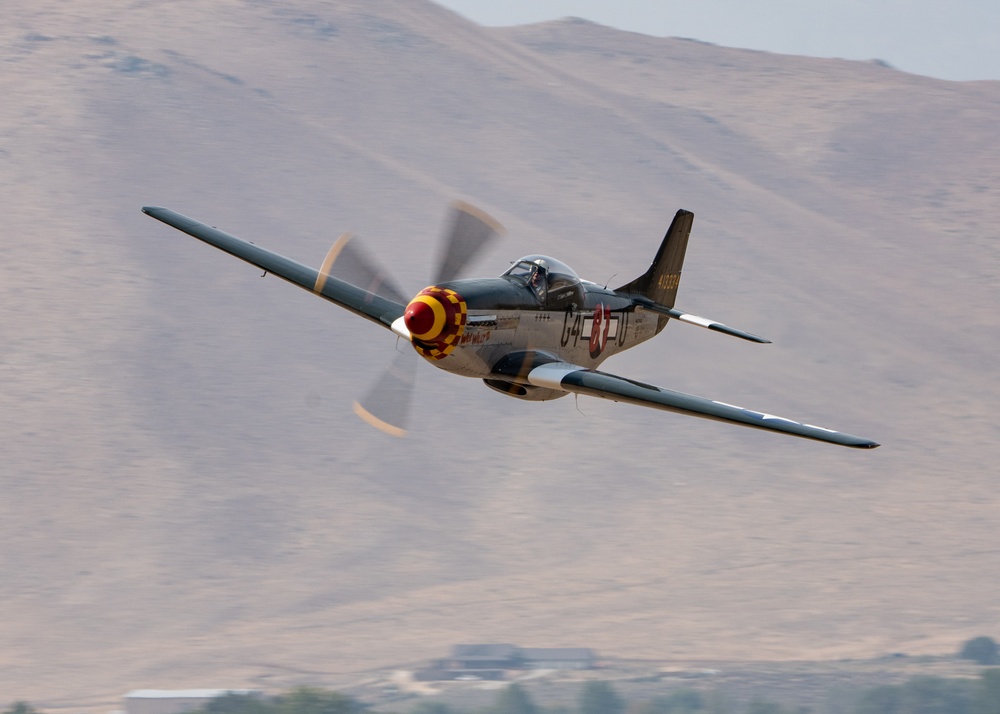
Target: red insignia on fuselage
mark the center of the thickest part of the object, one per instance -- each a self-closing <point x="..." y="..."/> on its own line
<point x="599" y="330"/>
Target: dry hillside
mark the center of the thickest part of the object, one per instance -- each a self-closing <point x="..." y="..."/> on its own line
<point x="188" y="500"/>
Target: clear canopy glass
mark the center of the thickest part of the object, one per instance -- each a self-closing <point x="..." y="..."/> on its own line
<point x="550" y="279"/>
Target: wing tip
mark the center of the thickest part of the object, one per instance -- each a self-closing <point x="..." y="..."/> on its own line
<point x="866" y="445"/>
<point x="733" y="332"/>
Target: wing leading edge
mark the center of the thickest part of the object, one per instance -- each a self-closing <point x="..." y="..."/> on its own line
<point x="571" y="378"/>
<point x="359" y="301"/>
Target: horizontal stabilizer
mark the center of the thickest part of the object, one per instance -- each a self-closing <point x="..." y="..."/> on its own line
<point x="699" y="321"/>
<point x="571" y="378"/>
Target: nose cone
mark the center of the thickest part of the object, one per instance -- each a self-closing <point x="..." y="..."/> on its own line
<point x="424" y="317"/>
<point x="436" y="319"/>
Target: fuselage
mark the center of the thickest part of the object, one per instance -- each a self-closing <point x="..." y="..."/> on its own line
<point x="505" y="315"/>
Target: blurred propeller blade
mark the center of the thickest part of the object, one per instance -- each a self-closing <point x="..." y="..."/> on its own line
<point x="470" y="231"/>
<point x="386" y="406"/>
<point x="347" y="260"/>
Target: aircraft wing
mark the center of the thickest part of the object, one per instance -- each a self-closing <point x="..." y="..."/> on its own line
<point x="571" y="378"/>
<point x="359" y="301"/>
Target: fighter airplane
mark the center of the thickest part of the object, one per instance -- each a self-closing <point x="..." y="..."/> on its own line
<point x="537" y="332"/>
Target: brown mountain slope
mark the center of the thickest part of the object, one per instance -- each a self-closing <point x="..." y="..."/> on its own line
<point x="188" y="500"/>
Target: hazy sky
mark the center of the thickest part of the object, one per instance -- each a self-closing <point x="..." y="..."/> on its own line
<point x="959" y="39"/>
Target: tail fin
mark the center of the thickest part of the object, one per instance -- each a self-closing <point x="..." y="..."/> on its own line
<point x="660" y="282"/>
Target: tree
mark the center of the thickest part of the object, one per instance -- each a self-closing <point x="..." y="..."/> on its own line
<point x="514" y="700"/>
<point x="885" y="699"/>
<point x="683" y="701"/>
<point x="986" y="698"/>
<point x="922" y="695"/>
<point x="717" y="702"/>
<point x="233" y="703"/>
<point x="306" y="700"/>
<point x="982" y="650"/>
<point x="600" y="698"/>
<point x="432" y="708"/>
<point x="936" y="695"/>
<point x="764" y="706"/>
<point x="20" y="708"/>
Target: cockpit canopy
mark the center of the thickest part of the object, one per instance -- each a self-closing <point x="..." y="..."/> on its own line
<point x="553" y="282"/>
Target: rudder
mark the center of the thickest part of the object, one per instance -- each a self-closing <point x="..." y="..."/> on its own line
<point x="660" y="282"/>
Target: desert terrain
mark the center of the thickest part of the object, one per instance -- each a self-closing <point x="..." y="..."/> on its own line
<point x="188" y="500"/>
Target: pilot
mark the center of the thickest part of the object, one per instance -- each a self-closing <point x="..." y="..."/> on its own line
<point x="538" y="278"/>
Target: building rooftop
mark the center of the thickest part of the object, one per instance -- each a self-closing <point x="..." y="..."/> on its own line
<point x="490" y="652"/>
<point x="186" y="693"/>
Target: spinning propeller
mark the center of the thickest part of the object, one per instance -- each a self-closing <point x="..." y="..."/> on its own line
<point x="434" y="319"/>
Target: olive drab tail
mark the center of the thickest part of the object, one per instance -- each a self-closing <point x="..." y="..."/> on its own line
<point x="659" y="283"/>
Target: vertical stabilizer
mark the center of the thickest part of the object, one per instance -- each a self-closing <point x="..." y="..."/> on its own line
<point x="660" y="282"/>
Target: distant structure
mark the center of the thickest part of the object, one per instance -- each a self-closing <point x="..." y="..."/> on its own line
<point x="493" y="661"/>
<point x="486" y="661"/>
<point x="176" y="701"/>
<point x="558" y="658"/>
